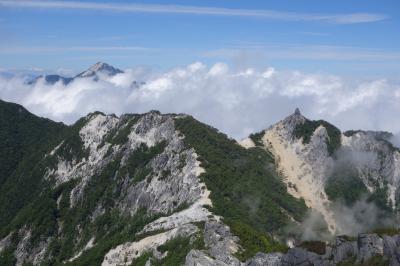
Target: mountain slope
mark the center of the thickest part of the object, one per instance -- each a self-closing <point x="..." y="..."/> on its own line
<point x="166" y="189"/>
<point x="24" y="139"/>
<point x="99" y="68"/>
<point x="114" y="190"/>
<point x="327" y="167"/>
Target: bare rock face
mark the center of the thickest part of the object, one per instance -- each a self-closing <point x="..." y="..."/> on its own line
<point x="390" y="244"/>
<point x="173" y="179"/>
<point x="5" y="242"/>
<point x="343" y="249"/>
<point x="369" y="245"/>
<point x="221" y="242"/>
<point x="262" y="259"/>
<point x="200" y="258"/>
<point x="297" y="256"/>
<point x="26" y="252"/>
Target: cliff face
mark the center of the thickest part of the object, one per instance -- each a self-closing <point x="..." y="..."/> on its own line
<point x="320" y="164"/>
<point x="304" y="166"/>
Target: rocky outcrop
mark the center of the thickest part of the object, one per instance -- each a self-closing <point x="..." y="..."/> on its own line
<point x="360" y="250"/>
<point x="198" y="257"/>
<point x="369" y="245"/>
<point x="221" y="243"/>
<point x="262" y="259"/>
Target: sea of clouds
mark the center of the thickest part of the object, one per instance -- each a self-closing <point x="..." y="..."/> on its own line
<point x="237" y="102"/>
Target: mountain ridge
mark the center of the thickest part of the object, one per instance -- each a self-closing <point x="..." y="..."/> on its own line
<point x="94" y="71"/>
<point x="161" y="189"/>
<point x="311" y="152"/>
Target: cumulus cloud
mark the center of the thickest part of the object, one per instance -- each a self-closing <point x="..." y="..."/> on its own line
<point x="237" y="102"/>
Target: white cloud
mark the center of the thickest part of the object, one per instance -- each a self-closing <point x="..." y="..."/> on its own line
<point x="237" y="102"/>
<point x="351" y="18"/>
<point x="218" y="69"/>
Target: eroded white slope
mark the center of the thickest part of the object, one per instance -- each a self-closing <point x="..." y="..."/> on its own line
<point x="124" y="254"/>
<point x="304" y="176"/>
<point x="303" y="166"/>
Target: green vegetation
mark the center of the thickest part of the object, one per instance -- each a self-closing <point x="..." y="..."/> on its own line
<point x="245" y="188"/>
<point x="254" y="241"/>
<point x="388" y="231"/>
<point x="257" y="138"/>
<point x="141" y="261"/>
<point x="178" y="248"/>
<point x="72" y="147"/>
<point x="379" y="197"/>
<point x="21" y="134"/>
<point x="350" y="133"/>
<point x="7" y="256"/>
<point x="24" y="139"/>
<point x="345" y="184"/>
<point x="348" y="238"/>
<point x="119" y="229"/>
<point x="306" y="130"/>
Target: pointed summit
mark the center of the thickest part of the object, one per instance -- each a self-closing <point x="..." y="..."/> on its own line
<point x="100" y="67"/>
<point x="297" y="111"/>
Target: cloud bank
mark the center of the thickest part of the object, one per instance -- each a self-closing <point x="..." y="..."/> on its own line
<point x="350" y="18"/>
<point x="237" y="102"/>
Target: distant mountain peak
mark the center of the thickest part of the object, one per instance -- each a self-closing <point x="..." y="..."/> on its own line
<point x="100" y="67"/>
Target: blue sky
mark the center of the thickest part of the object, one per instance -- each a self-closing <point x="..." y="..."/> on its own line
<point x="347" y="37"/>
<point x="237" y="65"/>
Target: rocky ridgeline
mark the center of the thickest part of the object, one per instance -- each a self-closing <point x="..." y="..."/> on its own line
<point x="366" y="249"/>
<point x="140" y="166"/>
<point x="169" y="187"/>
